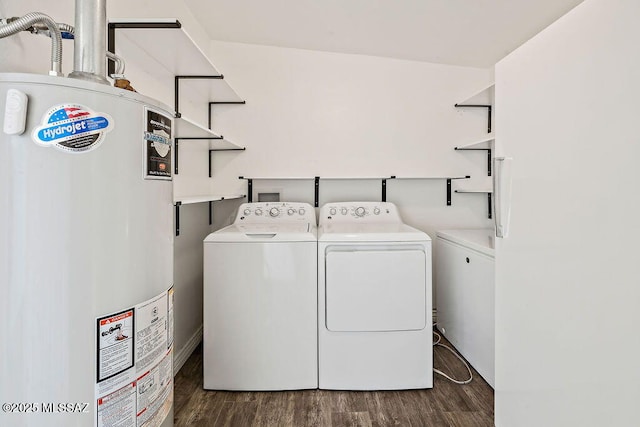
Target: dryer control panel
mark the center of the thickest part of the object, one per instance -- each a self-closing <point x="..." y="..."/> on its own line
<point x="279" y="212"/>
<point x="362" y="212"/>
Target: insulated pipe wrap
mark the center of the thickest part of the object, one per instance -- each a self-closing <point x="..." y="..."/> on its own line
<point x="31" y="19"/>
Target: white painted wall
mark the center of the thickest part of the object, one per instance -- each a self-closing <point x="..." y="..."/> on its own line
<point x="567" y="276"/>
<point x="314" y="113"/>
<point x="307" y="113"/>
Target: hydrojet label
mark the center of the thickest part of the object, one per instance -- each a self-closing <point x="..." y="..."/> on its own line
<point x="72" y="128"/>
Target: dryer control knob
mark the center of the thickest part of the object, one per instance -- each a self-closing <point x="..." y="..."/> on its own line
<point x="247" y="211"/>
<point x="301" y="211"/>
<point x="274" y="212"/>
<point x="344" y="211"/>
<point x="258" y="211"/>
<point x="376" y="211"/>
<point x="360" y="211"/>
<point x="332" y="211"/>
<point x="291" y="211"/>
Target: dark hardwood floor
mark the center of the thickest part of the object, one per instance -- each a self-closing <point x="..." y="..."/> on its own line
<point x="447" y="404"/>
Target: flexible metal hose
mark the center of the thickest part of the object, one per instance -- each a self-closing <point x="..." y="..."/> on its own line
<point x="29" y="20"/>
<point x="66" y="28"/>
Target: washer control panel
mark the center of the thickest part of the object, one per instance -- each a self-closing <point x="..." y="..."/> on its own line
<point x="276" y="212"/>
<point x="368" y="212"/>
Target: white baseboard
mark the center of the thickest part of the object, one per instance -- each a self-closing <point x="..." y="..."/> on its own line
<point x="181" y="356"/>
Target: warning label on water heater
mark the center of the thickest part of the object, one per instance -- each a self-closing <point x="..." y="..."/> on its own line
<point x="134" y="384"/>
<point x="115" y="344"/>
<point x="157" y="145"/>
<point x="72" y="128"/>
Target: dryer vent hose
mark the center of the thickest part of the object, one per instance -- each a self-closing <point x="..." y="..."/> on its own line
<point x="27" y="21"/>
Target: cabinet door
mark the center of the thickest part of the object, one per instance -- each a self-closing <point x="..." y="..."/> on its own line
<point x="567" y="274"/>
<point x="478" y="306"/>
<point x="465" y="304"/>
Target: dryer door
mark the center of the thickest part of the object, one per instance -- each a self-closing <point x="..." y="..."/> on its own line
<point x="371" y="288"/>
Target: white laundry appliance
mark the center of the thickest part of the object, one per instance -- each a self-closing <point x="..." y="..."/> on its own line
<point x="260" y="300"/>
<point x="374" y="299"/>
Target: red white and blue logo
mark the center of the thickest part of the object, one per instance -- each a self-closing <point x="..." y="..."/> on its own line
<point x="72" y="128"/>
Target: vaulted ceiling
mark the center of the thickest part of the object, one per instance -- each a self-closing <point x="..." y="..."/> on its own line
<point x="475" y="33"/>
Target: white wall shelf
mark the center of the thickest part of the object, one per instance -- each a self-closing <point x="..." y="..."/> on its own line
<point x="470" y="190"/>
<point x="167" y="50"/>
<point x="475" y="101"/>
<point x="383" y="180"/>
<point x="201" y="199"/>
<point x="482" y="92"/>
<point x="432" y="177"/>
<point x="169" y="54"/>
<point x="207" y="198"/>
<point x="482" y="144"/>
<point x="192" y="131"/>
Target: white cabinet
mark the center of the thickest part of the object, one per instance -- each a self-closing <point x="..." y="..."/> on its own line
<point x="464" y="267"/>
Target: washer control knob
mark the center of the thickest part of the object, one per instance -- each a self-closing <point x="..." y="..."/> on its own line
<point x="376" y="211"/>
<point x="332" y="211"/>
<point x="344" y="211"/>
<point x="258" y="212"/>
<point x="290" y="212"/>
<point x="274" y="212"/>
<point x="247" y="211"/>
<point x="301" y="211"/>
<point x="360" y="211"/>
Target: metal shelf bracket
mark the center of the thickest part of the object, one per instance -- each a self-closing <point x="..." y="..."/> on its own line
<point x="487" y="106"/>
<point x="249" y="188"/>
<point x="449" y="187"/>
<point x="177" y="205"/>
<point x="176" y="146"/>
<point x="212" y="103"/>
<point x="113" y="26"/>
<point x="489" y="158"/>
<point x="176" y="87"/>
<point x="211" y="150"/>
<point x="384" y="188"/>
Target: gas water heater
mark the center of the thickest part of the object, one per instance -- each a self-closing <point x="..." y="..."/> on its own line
<point x="86" y="255"/>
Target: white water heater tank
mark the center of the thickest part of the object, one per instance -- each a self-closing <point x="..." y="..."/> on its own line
<point x="86" y="257"/>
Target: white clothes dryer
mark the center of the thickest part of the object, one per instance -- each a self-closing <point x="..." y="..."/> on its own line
<point x="260" y="300"/>
<point x="374" y="299"/>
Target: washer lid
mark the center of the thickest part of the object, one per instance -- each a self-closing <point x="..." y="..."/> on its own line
<point x="370" y="232"/>
<point x="271" y="232"/>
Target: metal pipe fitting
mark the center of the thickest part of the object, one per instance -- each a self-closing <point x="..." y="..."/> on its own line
<point x="33" y="18"/>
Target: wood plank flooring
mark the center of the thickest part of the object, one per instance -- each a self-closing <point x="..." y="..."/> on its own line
<point x="446" y="405"/>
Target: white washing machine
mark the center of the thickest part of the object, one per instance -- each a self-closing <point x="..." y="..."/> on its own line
<point x="260" y="300"/>
<point x="374" y="299"/>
